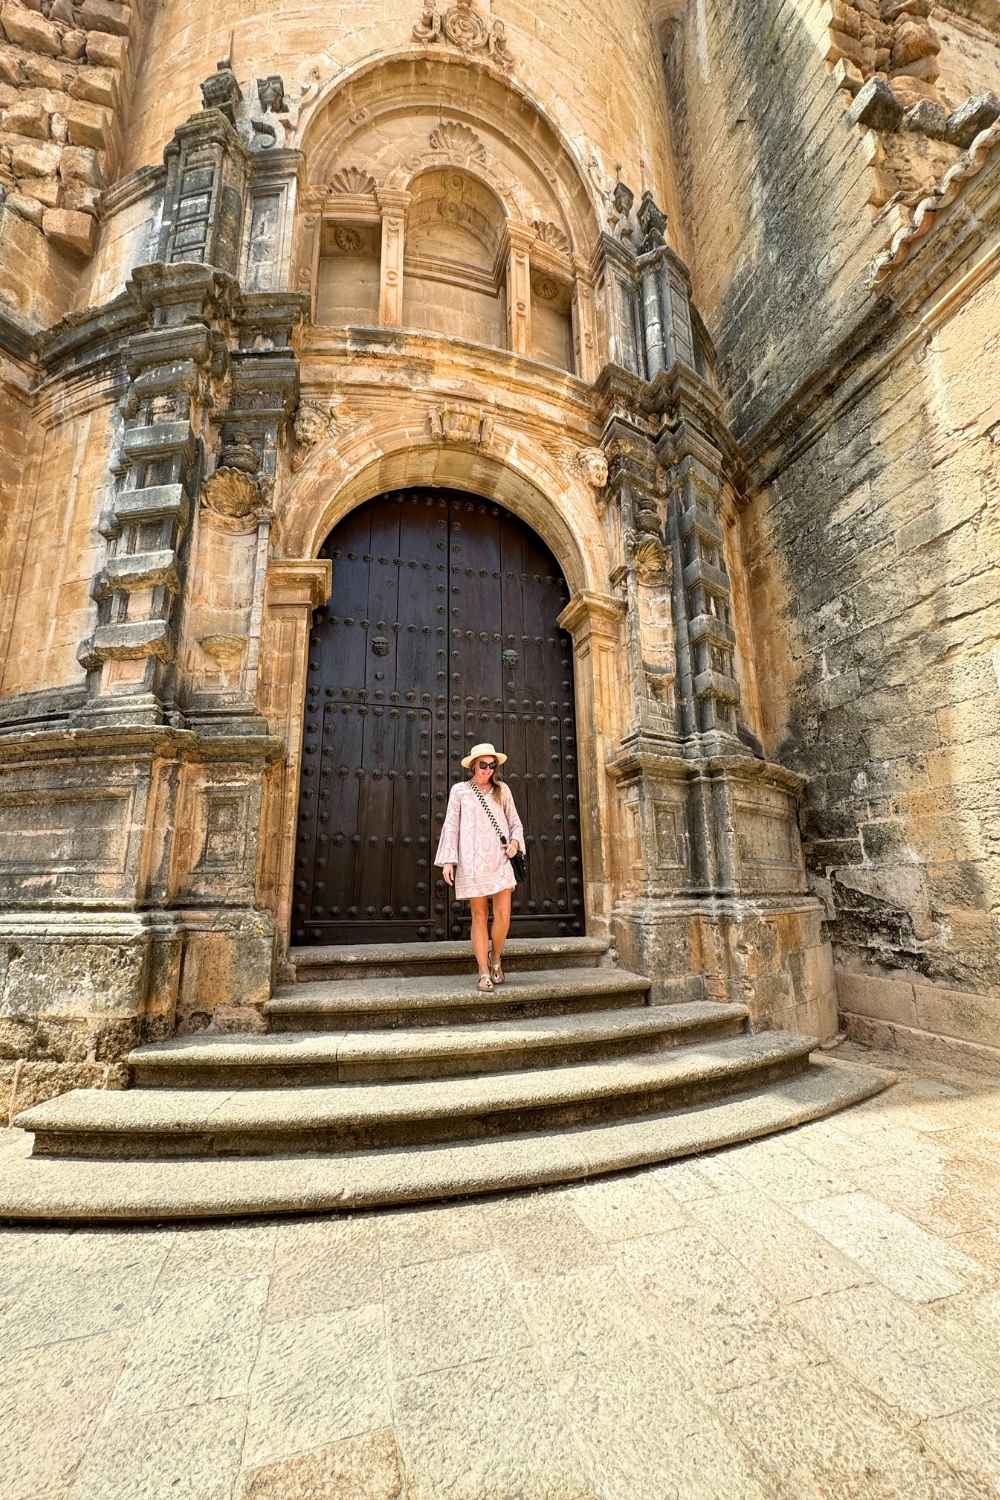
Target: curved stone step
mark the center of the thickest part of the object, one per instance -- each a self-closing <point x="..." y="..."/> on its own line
<point x="276" y="1060"/>
<point x="383" y="960"/>
<point x="45" y="1189"/>
<point x="358" y="1117"/>
<point x="433" y="1000"/>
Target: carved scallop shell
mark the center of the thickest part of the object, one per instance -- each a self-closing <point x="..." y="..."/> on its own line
<point x="352" y="180"/>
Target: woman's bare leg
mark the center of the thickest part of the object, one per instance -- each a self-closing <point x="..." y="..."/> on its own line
<point x="480" y="936"/>
<point x="501" y="922"/>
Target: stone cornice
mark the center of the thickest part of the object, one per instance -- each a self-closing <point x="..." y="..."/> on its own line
<point x="129" y="742"/>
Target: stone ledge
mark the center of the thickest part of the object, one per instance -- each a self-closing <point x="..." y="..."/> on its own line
<point x="921" y="1045"/>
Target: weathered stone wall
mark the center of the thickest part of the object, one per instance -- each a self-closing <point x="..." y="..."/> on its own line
<point x="66" y="75"/>
<point x="774" y="187"/>
<point x="874" y="560"/>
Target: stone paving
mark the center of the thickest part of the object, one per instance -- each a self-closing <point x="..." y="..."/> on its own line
<point x="812" y="1315"/>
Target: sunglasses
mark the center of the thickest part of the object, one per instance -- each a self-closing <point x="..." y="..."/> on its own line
<point x="486" y="765"/>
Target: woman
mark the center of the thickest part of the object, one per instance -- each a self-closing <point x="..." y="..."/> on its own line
<point x="474" y="860"/>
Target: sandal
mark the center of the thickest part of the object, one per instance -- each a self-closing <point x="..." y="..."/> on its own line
<point x="485" y="983"/>
<point x="496" y="972"/>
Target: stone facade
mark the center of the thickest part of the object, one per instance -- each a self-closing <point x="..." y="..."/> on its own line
<point x="702" y="293"/>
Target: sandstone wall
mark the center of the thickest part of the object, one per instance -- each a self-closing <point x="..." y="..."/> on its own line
<point x="595" y="67"/>
<point x="874" y="560"/>
<point x="56" y="551"/>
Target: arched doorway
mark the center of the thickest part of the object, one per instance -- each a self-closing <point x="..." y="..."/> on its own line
<point x="440" y="632"/>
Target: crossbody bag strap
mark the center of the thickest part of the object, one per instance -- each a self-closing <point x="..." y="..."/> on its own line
<point x="486" y="810"/>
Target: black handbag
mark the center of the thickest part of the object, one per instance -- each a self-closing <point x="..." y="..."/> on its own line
<point x="517" y="861"/>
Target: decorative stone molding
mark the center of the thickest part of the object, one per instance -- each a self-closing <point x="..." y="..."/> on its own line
<point x="449" y="424"/>
<point x="463" y="27"/>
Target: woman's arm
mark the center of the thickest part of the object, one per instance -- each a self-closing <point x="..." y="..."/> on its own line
<point x="447" y="849"/>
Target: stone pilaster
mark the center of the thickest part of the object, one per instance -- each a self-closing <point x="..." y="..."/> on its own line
<point x="519" y="288"/>
<point x="393" y="206"/>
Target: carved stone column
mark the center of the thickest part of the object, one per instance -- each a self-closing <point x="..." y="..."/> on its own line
<point x="393" y="206"/>
<point x="519" y="288"/>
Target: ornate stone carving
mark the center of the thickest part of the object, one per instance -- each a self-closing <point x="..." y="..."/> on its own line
<point x="463" y="26"/>
<point x="458" y="140"/>
<point x="352" y="180"/>
<point x="550" y="234"/>
<point x="648" y="556"/>
<point x="652" y="223"/>
<point x="450" y="425"/>
<point x="313" y="422"/>
<point x="347" y="240"/>
<point x="234" y="492"/>
<point x="593" y="467"/>
<point x="221" y="91"/>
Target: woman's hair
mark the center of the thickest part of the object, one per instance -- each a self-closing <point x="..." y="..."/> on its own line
<point x="495" y="780"/>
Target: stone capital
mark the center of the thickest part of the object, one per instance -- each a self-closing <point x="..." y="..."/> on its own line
<point x="299" y="583"/>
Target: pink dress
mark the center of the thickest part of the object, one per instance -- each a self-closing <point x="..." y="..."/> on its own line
<point x="470" y="843"/>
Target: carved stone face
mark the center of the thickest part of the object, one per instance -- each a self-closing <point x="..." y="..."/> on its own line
<point x="310" y="425"/>
<point x="593" y="466"/>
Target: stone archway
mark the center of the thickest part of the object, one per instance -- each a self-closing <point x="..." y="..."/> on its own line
<point x="442" y="631"/>
<point x="298" y="586"/>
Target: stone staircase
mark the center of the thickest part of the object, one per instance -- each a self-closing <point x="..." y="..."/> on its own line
<point x="386" y="1077"/>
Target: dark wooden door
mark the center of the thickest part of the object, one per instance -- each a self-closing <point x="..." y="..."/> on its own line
<point x="440" y="633"/>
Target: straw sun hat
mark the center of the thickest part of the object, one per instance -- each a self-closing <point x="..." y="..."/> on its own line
<point x="478" y="751"/>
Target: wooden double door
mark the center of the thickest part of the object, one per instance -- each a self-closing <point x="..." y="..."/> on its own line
<point x="440" y="633"/>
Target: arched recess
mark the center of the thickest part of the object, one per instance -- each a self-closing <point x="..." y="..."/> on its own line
<point x="559" y="509"/>
<point x="370" y="137"/>
<point x="441" y="632"/>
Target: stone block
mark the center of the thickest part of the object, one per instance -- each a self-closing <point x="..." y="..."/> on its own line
<point x="106" y="16"/>
<point x="38" y="1081"/>
<point x="70" y="230"/>
<point x="28" y="29"/>
<point x="106" y="51"/>
<point x="29" y="208"/>
<point x="96" y="86"/>
<point x="33" y="159"/>
<point x="976" y="114"/>
<point x="876" y="106"/>
<point x="912" y="40"/>
<point x="80" y="164"/>
<point x="880" y="999"/>
<point x="27" y="117"/>
<point x="74" y="45"/>
<point x="89" y="124"/>
<point x="44" y="190"/>
<point x="46" y="73"/>
<point x="960" y="1014"/>
<point x="81" y="199"/>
